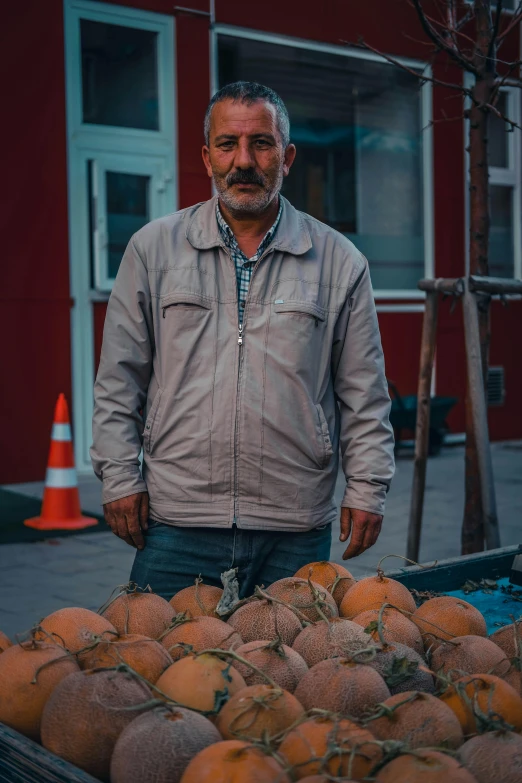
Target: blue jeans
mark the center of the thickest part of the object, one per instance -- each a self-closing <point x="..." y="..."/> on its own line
<point x="174" y="556"/>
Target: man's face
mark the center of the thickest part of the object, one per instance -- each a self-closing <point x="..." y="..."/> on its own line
<point x="245" y="156"/>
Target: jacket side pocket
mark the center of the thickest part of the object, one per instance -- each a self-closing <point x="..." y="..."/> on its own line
<point x="326" y="443"/>
<point x="150" y="425"/>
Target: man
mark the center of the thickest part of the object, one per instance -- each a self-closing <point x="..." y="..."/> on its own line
<point x="241" y="348"/>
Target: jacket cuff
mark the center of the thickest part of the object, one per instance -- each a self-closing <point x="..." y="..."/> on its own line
<point x="365" y="497"/>
<point x="122" y="485"/>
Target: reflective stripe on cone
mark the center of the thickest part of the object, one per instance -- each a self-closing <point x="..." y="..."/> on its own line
<point x="61" y="500"/>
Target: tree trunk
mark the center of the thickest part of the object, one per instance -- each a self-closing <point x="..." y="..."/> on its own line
<point x="472" y="539"/>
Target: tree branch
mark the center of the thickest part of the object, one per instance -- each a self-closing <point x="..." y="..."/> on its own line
<point x="418" y="74"/>
<point x="468" y="16"/>
<point x="515" y="19"/>
<point x="494" y="31"/>
<point x="438" y="121"/>
<point x="499" y="83"/>
<point x="501" y="116"/>
<point x="439" y="41"/>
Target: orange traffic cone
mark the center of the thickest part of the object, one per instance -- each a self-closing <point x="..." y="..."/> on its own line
<point x="61" y="501"/>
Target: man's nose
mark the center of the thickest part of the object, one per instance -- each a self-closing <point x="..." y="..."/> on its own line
<point x="244" y="158"/>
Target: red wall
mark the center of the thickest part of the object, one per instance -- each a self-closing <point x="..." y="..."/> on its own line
<point x="34" y="297"/>
<point x="35" y="305"/>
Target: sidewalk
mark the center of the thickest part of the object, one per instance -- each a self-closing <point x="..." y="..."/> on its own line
<point x="38" y="578"/>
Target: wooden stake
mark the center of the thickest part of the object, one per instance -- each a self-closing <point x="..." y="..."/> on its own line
<point x="422" y="427"/>
<point x="480" y="418"/>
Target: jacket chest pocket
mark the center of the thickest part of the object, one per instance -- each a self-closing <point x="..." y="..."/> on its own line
<point x="184" y="304"/>
<point x="305" y="311"/>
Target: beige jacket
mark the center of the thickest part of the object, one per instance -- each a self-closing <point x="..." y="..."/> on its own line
<point x="243" y="427"/>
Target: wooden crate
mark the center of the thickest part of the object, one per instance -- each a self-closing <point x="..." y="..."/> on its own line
<point x="24" y="761"/>
<point x="451" y="574"/>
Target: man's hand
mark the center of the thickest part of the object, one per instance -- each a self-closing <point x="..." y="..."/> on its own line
<point x="128" y="517"/>
<point x="364" y="528"/>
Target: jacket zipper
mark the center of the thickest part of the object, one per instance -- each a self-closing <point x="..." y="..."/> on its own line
<point x="240" y="338"/>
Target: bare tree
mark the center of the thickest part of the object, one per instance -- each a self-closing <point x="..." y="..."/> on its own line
<point x="470" y="35"/>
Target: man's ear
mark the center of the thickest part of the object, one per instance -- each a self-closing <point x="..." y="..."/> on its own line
<point x="205" y="154"/>
<point x="289" y="158"/>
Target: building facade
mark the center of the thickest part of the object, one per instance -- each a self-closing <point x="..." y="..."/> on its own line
<point x="104" y="133"/>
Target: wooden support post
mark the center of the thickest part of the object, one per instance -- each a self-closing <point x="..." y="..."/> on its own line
<point x="480" y="418"/>
<point x="422" y="427"/>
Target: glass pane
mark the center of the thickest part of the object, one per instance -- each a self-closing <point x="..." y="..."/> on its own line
<point x="501" y="246"/>
<point x="357" y="128"/>
<point x="498" y="134"/>
<point x="127" y="212"/>
<point x="119" y="76"/>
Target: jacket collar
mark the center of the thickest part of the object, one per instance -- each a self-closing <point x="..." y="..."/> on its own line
<point x="292" y="235"/>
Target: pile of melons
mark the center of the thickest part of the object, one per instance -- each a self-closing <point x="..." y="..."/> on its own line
<point x="316" y="678"/>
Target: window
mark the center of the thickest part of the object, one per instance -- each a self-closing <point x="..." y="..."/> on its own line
<point x="125" y="193"/>
<point x="357" y="124"/>
<point x="507" y="5"/>
<point x="504" y="190"/>
<point x="120" y="93"/>
<point x="114" y="58"/>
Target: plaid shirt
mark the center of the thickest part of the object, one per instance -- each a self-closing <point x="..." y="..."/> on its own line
<point x="244" y="265"/>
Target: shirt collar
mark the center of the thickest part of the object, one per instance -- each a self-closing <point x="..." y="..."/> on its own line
<point x="228" y="235"/>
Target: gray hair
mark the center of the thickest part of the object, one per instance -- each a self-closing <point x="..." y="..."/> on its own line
<point x="249" y="93"/>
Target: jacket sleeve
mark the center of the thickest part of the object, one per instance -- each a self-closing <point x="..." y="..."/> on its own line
<point x="361" y="391"/>
<point x="123" y="378"/>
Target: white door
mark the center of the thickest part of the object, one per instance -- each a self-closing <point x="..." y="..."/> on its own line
<point x="121" y="161"/>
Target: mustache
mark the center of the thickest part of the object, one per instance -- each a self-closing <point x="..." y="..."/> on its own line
<point x="245" y="177"/>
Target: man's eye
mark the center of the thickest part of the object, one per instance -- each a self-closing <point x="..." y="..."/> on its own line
<point x="262" y="143"/>
<point x="226" y="145"/>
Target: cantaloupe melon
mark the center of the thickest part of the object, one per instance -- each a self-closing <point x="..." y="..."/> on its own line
<point x="372" y="592"/>
<point x="200" y="633"/>
<point x="333" y="639"/>
<point x="447" y="617"/>
<point x="5" y="642"/>
<point x="469" y="655"/>
<point x="509" y="639"/>
<point x="87" y="712"/>
<point x="147" y="657"/>
<point x="424" y="766"/>
<point x="258" y="712"/>
<point x="402" y="669"/>
<point x="338" y="685"/>
<point x="198" y="600"/>
<point x="334" y="577"/>
<point x="144" y="613"/>
<point x="493" y="757"/>
<point x="420" y="720"/>
<point x="29" y="673"/>
<point x="200" y="682"/>
<point x="334" y="746"/>
<point x="396" y="627"/>
<point x="265" y="620"/>
<point x="233" y="761"/>
<point x="281" y="663"/>
<point x="75" y="628"/>
<point x="480" y="698"/>
<point x="158" y="745"/>
<point x="314" y="602"/>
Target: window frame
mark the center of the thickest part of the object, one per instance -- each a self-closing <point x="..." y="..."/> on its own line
<point x="75" y="10"/>
<point x="87" y="141"/>
<point x="426" y="109"/>
<point x="507" y="176"/>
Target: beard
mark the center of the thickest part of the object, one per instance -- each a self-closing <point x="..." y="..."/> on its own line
<point x="251" y="203"/>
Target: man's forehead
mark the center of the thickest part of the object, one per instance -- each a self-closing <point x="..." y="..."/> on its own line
<point x="242" y="117"/>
